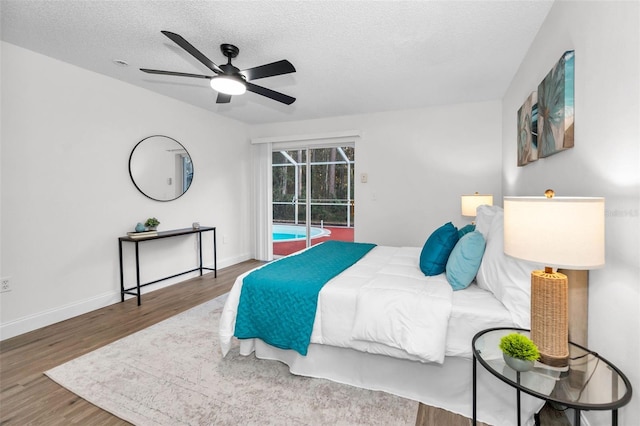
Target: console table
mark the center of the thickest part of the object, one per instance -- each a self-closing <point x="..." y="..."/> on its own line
<point x="135" y="291"/>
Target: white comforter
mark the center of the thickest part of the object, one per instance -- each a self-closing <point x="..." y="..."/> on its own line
<point x="383" y="305"/>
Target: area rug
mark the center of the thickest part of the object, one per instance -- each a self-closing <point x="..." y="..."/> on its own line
<point x="172" y="373"/>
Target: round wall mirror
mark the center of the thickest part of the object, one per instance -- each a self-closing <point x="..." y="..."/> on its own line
<point x="161" y="168"/>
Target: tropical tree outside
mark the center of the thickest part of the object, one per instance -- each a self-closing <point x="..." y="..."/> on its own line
<point x="332" y="186"/>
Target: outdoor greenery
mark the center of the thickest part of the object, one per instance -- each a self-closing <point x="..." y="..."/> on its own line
<point x="332" y="185"/>
<point x="519" y="346"/>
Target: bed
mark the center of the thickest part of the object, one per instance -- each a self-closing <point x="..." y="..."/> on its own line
<point x="352" y="343"/>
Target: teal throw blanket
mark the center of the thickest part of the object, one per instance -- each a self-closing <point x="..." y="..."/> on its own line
<point x="278" y="301"/>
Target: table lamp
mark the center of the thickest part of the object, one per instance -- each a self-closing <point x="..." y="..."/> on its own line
<point x="469" y="203"/>
<point x="560" y="232"/>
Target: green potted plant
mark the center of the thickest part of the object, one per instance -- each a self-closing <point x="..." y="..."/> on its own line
<point x="152" y="223"/>
<point x="518" y="351"/>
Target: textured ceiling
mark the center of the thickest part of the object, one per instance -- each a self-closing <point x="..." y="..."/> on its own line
<point x="351" y="57"/>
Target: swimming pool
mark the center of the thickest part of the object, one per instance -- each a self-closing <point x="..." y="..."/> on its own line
<point x="296" y="233"/>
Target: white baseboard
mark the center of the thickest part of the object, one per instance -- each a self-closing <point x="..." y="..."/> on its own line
<point x="51" y="316"/>
<point x="234" y="260"/>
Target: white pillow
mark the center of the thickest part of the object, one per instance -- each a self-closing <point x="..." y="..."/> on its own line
<point x="484" y="218"/>
<point x="507" y="278"/>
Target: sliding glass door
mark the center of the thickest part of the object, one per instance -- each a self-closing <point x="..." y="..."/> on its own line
<point x="313" y="196"/>
<point x="289" y="177"/>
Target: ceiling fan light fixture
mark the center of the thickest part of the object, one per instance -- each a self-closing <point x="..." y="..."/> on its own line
<point x="228" y="79"/>
<point x="229" y="85"/>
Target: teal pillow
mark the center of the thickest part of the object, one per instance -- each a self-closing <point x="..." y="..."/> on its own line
<point x="465" y="230"/>
<point x="465" y="259"/>
<point x="436" y="250"/>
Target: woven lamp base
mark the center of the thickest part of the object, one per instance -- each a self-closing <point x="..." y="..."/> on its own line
<point x="550" y="316"/>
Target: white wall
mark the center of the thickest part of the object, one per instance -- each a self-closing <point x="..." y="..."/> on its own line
<point x="418" y="163"/>
<point x="66" y="193"/>
<point x="604" y="162"/>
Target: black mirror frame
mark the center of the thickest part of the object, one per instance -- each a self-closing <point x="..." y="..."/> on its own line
<point x="140" y="189"/>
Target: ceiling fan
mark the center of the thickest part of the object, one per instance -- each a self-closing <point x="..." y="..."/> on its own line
<point x="229" y="80"/>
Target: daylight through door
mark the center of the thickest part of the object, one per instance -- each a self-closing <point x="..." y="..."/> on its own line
<point x="313" y="196"/>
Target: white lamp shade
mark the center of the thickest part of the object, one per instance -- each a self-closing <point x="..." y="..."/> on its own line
<point x="228" y="85"/>
<point x="561" y="232"/>
<point x="469" y="203"/>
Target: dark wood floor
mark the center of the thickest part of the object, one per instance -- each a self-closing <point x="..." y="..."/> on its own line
<point x="27" y="396"/>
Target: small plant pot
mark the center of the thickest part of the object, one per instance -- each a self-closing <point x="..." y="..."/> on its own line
<point x="152" y="228"/>
<point x="517" y="364"/>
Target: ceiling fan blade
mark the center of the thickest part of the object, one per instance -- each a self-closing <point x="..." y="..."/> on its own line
<point x="276" y="96"/>
<point x="177" y="39"/>
<point x="269" y="70"/>
<point x="223" y="98"/>
<point x="179" y="74"/>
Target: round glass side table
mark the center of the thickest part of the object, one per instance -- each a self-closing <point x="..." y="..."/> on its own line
<point x="590" y="382"/>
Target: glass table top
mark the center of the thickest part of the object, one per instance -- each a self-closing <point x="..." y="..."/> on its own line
<point x="590" y="382"/>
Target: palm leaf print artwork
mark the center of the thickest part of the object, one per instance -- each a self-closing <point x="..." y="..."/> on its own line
<point x="528" y="131"/>
<point x="555" y="107"/>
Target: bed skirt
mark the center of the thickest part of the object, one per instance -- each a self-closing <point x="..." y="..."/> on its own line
<point x="447" y="386"/>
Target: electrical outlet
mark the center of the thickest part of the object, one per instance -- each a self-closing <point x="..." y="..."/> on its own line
<point x="5" y="285"/>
